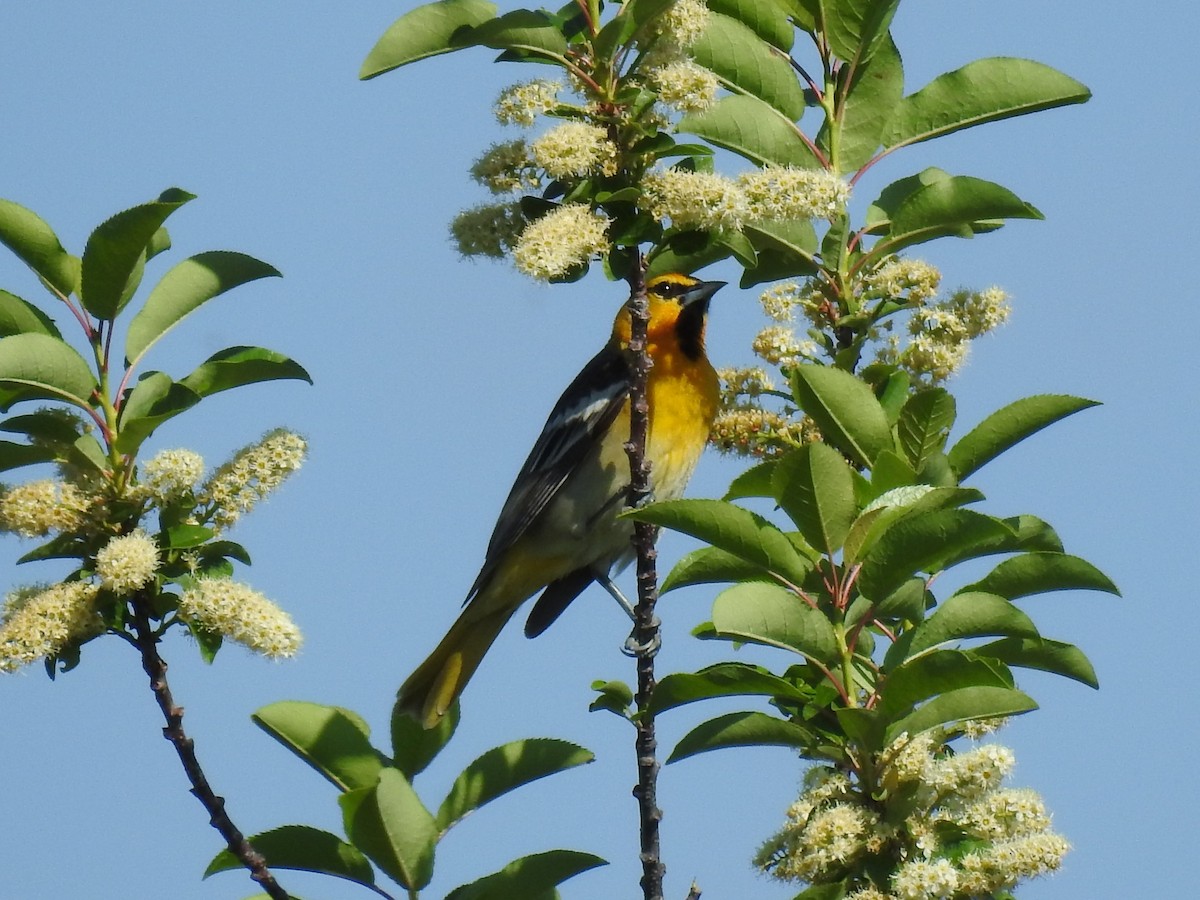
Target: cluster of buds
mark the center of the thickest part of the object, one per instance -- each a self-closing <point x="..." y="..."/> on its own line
<point x="965" y="834"/>
<point x="45" y="622"/>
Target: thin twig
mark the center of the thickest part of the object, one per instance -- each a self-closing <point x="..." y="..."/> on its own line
<point x="156" y="669"/>
<point x="646" y="625"/>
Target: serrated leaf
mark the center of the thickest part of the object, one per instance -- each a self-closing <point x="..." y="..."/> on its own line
<point x="757" y="481"/>
<point x="924" y="424"/>
<point x="238" y="366"/>
<point x="1009" y="426"/>
<point x="765" y="613"/>
<point x="767" y="18"/>
<point x="44" y="367"/>
<point x="185" y="288"/>
<point x="845" y="409"/>
<point x="413" y="746"/>
<point x="958" y="206"/>
<point x="532" y="877"/>
<point x="867" y="111"/>
<point x="709" y="565"/>
<point x="969" y="615"/>
<point x="730" y="528"/>
<point x="525" y="30"/>
<point x="154" y="399"/>
<point x="506" y="768"/>
<point x="814" y="486"/>
<point x="963" y="705"/>
<point x="1041" y="572"/>
<point x="334" y="741"/>
<point x="916" y="680"/>
<point x="388" y="822"/>
<point x="856" y="28"/>
<point x="752" y="129"/>
<point x="728" y="679"/>
<point x="742" y="729"/>
<point x="428" y="30"/>
<point x="926" y="542"/>
<point x="985" y="90"/>
<point x="746" y="64"/>
<point x="116" y="250"/>
<point x="1045" y="655"/>
<point x="19" y="316"/>
<point x="34" y="242"/>
<point x="305" y="849"/>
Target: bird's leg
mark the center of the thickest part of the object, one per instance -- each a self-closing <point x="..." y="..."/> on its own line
<point x="631" y="646"/>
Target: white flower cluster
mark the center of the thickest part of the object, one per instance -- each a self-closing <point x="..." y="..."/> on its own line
<point x="252" y="474"/>
<point x="40" y="622"/>
<point x="836" y="832"/>
<point x="242" y="614"/>
<point x="560" y="241"/>
<point x="37" y="508"/>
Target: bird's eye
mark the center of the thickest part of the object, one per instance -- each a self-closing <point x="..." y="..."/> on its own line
<point x="668" y="289"/>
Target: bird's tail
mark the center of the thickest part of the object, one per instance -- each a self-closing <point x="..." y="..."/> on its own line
<point x="435" y="684"/>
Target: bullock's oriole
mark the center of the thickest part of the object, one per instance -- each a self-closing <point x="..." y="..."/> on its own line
<point x="558" y="529"/>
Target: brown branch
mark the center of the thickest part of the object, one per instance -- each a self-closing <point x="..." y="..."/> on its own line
<point x="646" y="624"/>
<point x="156" y="669"/>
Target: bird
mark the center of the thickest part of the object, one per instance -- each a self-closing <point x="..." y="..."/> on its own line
<point x="559" y="529"/>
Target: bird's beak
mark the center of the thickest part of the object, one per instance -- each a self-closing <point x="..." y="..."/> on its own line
<point x="700" y="293"/>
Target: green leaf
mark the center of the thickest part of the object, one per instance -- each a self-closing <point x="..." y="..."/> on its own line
<point x="388" y="822"/>
<point x="1041" y="572"/>
<point x="889" y="472"/>
<point x="185" y="536"/>
<point x="753" y="129"/>
<point x="1045" y="655"/>
<point x="531" y="31"/>
<point x="533" y="877"/>
<point x="334" y="741"/>
<point x="34" y="242"/>
<point x="729" y="679"/>
<point x="786" y="248"/>
<point x="116" y="251"/>
<point x="864" y="117"/>
<point x="963" y="705"/>
<point x="845" y="409"/>
<point x="764" y="613"/>
<point x="936" y="673"/>
<point x="969" y="615"/>
<point x="747" y="64"/>
<point x="14" y="456"/>
<point x="708" y="565"/>
<point x="305" y="849"/>
<point x="981" y="91"/>
<point x="742" y="729"/>
<point x="506" y="768"/>
<point x="757" y="481"/>
<point x="814" y="486"/>
<point x="856" y="29"/>
<point x="19" y="316"/>
<point x="154" y="399"/>
<point x="881" y="211"/>
<point x="237" y="366"/>
<point x="958" y="206"/>
<point x="613" y="696"/>
<point x="44" y="367"/>
<point x="834" y="891"/>
<point x="413" y="746"/>
<point x="924" y="424"/>
<point x="730" y="528"/>
<point x="926" y="542"/>
<point x="428" y="30"/>
<point x="1009" y="426"/>
<point x="632" y="17"/>
<point x="184" y="289"/>
<point x="767" y="18"/>
<point x="1031" y="533"/>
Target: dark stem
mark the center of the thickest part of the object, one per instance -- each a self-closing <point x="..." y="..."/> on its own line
<point x="156" y="669"/>
<point x="646" y="625"/>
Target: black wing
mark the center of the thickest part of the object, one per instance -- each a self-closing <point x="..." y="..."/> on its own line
<point x="584" y="412"/>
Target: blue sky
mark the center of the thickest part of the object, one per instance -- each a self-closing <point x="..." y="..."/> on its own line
<point x="433" y="376"/>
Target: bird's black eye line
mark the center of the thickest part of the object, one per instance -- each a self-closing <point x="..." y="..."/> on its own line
<point x="668" y="289"/>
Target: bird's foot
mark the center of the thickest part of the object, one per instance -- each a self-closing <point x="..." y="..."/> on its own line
<point x="632" y="647"/>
